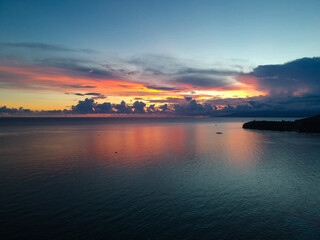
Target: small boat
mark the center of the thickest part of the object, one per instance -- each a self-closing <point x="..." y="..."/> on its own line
<point x="218" y="132"/>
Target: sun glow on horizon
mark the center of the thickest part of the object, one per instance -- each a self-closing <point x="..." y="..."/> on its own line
<point x="51" y="88"/>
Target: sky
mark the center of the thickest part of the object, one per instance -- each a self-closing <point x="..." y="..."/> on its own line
<point x="195" y="58"/>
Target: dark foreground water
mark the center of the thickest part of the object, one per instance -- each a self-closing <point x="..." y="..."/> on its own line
<point x="156" y="179"/>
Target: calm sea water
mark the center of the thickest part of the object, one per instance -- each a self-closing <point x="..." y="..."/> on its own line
<point x="156" y="179"/>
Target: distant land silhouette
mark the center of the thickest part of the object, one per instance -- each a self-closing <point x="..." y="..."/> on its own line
<point x="310" y="125"/>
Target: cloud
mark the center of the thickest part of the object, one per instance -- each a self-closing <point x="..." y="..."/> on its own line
<point x="208" y="71"/>
<point x="139" y="107"/>
<point x="77" y="67"/>
<point x="77" y="86"/>
<point x="174" y="71"/>
<point x="194" y="109"/>
<point x="294" y="78"/>
<point x="207" y="82"/>
<point x="156" y="64"/>
<point x="255" y="106"/>
<point x="269" y="105"/>
<point x="162" y="88"/>
<point x="104" y="108"/>
<point x="86" y="106"/>
<point x="90" y="106"/>
<point x="153" y="72"/>
<point x="218" y="101"/>
<point x="164" y="107"/>
<point x="167" y="100"/>
<point x="101" y="96"/>
<point x="39" y="66"/>
<point x="200" y="81"/>
<point x="123" y="108"/>
<point x="42" y="47"/>
<point x="21" y="110"/>
<point x="188" y="98"/>
<point x="95" y="95"/>
<point x="151" y="108"/>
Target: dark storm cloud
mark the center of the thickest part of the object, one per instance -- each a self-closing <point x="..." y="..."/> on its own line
<point x="303" y="102"/>
<point x="188" y="98"/>
<point x="304" y="105"/>
<point x="292" y="88"/>
<point x="292" y="78"/>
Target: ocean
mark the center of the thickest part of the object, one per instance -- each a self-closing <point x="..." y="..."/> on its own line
<point x="156" y="178"/>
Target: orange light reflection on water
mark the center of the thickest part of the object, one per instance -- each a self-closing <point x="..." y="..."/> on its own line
<point x="132" y="145"/>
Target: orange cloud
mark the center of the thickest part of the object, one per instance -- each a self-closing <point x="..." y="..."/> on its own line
<point x="29" y="77"/>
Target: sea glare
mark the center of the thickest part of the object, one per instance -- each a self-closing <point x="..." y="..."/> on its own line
<point x="124" y="178"/>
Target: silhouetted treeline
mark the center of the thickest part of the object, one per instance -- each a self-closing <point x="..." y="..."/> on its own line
<point x="311" y="124"/>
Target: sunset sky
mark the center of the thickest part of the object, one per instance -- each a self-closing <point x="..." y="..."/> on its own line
<point x="182" y="57"/>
